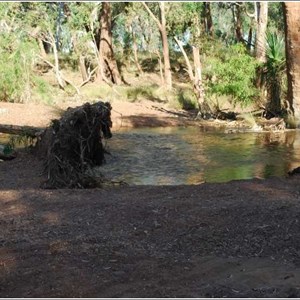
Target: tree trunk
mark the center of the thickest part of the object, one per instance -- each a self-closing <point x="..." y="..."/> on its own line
<point x="42" y="48"/>
<point x="187" y="60"/>
<point x="82" y="68"/>
<point x="196" y="79"/>
<point x="249" y="42"/>
<point x="209" y="27"/>
<point x="81" y="59"/>
<point x="273" y="106"/>
<point x="160" y="67"/>
<point x="292" y="37"/>
<point x="106" y="53"/>
<point x="204" y="109"/>
<point x="238" y="24"/>
<point x="260" y="44"/>
<point x="29" y="131"/>
<point x="135" y="51"/>
<point x="164" y="38"/>
<point x="262" y="20"/>
<point x="61" y="82"/>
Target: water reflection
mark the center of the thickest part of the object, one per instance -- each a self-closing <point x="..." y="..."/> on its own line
<point x="168" y="156"/>
<point x="4" y="139"/>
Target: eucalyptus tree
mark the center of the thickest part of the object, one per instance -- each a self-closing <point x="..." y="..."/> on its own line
<point x="292" y="36"/>
<point x="91" y="26"/>
<point x="40" y="21"/>
<point x="207" y="18"/>
<point x="158" y="14"/>
<point x="129" y="31"/>
<point x="260" y="41"/>
<point x="108" y="64"/>
<point x="191" y="26"/>
<point x="82" y="24"/>
<point x="17" y="54"/>
<point x="30" y="25"/>
<point x="275" y="18"/>
<point x="224" y="17"/>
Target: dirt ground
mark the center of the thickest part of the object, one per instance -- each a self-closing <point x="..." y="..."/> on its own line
<point x="124" y="114"/>
<point x="237" y="239"/>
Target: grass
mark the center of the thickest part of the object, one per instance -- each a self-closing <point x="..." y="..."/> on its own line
<point x="42" y="90"/>
<point x="143" y="92"/>
<point x="186" y="99"/>
<point x="249" y="119"/>
<point x="141" y="87"/>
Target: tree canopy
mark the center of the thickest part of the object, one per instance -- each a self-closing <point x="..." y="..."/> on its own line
<point x="101" y="41"/>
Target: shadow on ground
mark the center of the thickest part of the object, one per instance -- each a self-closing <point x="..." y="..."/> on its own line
<point x="239" y="239"/>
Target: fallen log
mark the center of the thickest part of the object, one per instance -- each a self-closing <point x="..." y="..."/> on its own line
<point x="29" y="131"/>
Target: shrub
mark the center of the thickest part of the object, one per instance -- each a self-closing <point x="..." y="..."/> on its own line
<point x="187" y="99"/>
<point x="16" y="64"/>
<point x="275" y="73"/>
<point x="232" y="72"/>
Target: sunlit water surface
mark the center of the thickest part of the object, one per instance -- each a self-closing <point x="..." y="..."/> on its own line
<point x="172" y="156"/>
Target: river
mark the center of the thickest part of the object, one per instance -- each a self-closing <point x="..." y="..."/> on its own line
<point x="173" y="156"/>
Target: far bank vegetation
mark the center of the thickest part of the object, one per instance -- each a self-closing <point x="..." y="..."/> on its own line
<point x="217" y="59"/>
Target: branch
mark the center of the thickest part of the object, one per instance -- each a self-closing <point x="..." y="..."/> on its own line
<point x="60" y="74"/>
<point x="190" y="69"/>
<point x="152" y="15"/>
<point x="89" y="77"/>
<point x="251" y="15"/>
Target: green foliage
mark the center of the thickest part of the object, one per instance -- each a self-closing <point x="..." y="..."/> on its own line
<point x="137" y="93"/>
<point x="183" y="17"/>
<point x="232" y="72"/>
<point x="43" y="89"/>
<point x="146" y="30"/>
<point x="227" y="68"/>
<point x="187" y="99"/>
<point x="82" y="14"/>
<point x="8" y="149"/>
<point x="222" y="17"/>
<point x="18" y="50"/>
<point x="275" y="75"/>
<point x="275" y="17"/>
<point x="275" y="54"/>
<point x="80" y="24"/>
<point x="16" y="65"/>
<point x="18" y="141"/>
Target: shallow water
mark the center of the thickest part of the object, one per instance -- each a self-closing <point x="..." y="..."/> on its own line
<point x="172" y="156"/>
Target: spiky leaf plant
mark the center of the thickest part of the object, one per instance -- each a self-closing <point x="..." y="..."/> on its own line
<point x="274" y="73"/>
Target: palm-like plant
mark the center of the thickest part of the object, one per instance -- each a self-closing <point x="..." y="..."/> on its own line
<point x="274" y="73"/>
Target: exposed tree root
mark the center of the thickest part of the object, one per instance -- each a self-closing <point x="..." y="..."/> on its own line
<point x="72" y="146"/>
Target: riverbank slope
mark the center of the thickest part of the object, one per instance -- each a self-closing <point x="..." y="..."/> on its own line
<point x="124" y="114"/>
